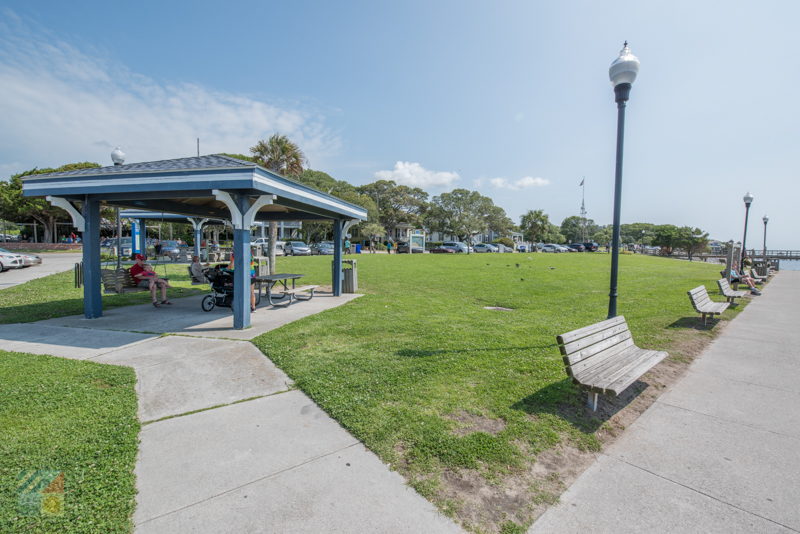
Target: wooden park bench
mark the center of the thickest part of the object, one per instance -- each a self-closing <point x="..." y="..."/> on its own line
<point x="195" y="280"/>
<point x="727" y="292"/>
<point x="757" y="277"/>
<point x="119" y="281"/>
<point x="704" y="305"/>
<point x="603" y="359"/>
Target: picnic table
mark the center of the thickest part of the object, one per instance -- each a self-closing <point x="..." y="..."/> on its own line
<point x="269" y="282"/>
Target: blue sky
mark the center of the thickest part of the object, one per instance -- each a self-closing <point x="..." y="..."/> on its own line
<point x="509" y="98"/>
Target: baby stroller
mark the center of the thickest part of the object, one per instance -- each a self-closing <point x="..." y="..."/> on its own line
<point x="221" y="281"/>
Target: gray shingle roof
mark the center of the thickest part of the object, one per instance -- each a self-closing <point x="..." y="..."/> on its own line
<point x="215" y="161"/>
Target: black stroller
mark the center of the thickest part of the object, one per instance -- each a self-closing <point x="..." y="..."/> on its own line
<point x="221" y="281"/>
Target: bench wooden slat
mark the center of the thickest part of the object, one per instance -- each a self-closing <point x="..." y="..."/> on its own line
<point x="578" y="344"/>
<point x="601" y="346"/>
<point x="647" y="362"/>
<point x="591" y="369"/>
<point x="587" y="364"/>
<point x="603" y="378"/>
<point x="589" y="330"/>
<point x="299" y="289"/>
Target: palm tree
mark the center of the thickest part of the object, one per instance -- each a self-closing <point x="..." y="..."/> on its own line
<point x="282" y="156"/>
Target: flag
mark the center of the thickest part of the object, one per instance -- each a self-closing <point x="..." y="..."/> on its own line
<point x="580" y="184"/>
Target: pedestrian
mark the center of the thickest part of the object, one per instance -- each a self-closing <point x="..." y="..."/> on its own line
<point x="347" y="246"/>
<point x="388" y="247"/>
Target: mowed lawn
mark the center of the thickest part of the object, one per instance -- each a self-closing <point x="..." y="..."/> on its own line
<point x="434" y="383"/>
<point x="75" y="417"/>
<point x="56" y="295"/>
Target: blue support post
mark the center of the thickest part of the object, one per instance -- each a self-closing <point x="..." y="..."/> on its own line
<point x="338" y="276"/>
<point x="92" y="298"/>
<point x="143" y="237"/>
<point x="198" y="236"/>
<point x="241" y="270"/>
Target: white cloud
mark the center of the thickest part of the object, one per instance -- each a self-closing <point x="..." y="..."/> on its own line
<point x="522" y="183"/>
<point x="61" y="105"/>
<point x="415" y="175"/>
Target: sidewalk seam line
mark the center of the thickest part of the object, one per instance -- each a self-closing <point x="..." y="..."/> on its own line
<point x="717" y="418"/>
<point x="271" y="475"/>
<point x="700" y="492"/>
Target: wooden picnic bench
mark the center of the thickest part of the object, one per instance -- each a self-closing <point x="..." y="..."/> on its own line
<point x="703" y="304"/>
<point x="603" y="359"/>
<point x="730" y="294"/>
<point x="119" y="281"/>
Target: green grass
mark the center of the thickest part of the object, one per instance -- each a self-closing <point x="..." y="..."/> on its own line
<point x="404" y="366"/>
<point x="57" y="296"/>
<point x="71" y="416"/>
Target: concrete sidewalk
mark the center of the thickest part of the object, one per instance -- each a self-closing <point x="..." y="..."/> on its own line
<point x="720" y="451"/>
<point x="259" y="456"/>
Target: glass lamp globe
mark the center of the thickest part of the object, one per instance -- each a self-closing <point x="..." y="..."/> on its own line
<point x="748" y="199"/>
<point x="118" y="156"/>
<point x="625" y="68"/>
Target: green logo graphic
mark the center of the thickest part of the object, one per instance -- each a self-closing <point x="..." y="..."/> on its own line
<point x="40" y="492"/>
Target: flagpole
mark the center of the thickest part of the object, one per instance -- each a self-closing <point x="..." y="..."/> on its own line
<point x="583" y="209"/>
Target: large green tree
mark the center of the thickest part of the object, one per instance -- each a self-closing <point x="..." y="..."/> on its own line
<point x="576" y="229"/>
<point x="282" y="156"/>
<point x="461" y="212"/>
<point x="16" y="207"/>
<point x="534" y="225"/>
<point x="396" y="204"/>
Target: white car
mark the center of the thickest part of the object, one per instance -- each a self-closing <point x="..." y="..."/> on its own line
<point x="550" y="248"/>
<point x="9" y="260"/>
<point x="485" y="247"/>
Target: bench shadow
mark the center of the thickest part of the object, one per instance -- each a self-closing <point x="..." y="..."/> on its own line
<point x="694" y="323"/>
<point x="567" y="401"/>
<point x="422" y="353"/>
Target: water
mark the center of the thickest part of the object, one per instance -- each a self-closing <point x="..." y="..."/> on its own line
<point x="790" y="265"/>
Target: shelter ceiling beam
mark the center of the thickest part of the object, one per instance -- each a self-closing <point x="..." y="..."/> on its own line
<point x="168" y="206"/>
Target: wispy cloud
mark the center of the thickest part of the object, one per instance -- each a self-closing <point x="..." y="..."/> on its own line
<point x="415" y="175"/>
<point x="522" y="183"/>
<point x="60" y="104"/>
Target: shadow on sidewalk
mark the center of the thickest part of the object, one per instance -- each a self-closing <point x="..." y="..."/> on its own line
<point x="568" y="402"/>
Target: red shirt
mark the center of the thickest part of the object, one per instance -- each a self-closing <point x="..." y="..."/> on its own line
<point x="136" y="269"/>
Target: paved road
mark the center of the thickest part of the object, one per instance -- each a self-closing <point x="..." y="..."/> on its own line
<point x="51" y="263"/>
<point x="720" y="451"/>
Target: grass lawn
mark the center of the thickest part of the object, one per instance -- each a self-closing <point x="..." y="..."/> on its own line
<point x="459" y="399"/>
<point x="75" y="417"/>
<point x="57" y="296"/>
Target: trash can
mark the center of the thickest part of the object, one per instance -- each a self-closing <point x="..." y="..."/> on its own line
<point x="358" y="248"/>
<point x="350" y="282"/>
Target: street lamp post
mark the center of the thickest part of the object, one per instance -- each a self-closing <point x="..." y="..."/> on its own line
<point x="764" y="253"/>
<point x="748" y="199"/>
<point x="622" y="73"/>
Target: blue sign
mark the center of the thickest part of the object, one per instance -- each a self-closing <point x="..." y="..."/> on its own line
<point x="135" y="238"/>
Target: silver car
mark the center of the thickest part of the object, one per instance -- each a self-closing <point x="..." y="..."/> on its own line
<point x="296" y="248"/>
<point x="11" y="260"/>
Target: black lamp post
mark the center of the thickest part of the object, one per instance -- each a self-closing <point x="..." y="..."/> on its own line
<point x="748" y="199"/>
<point x="622" y="74"/>
<point x="766" y="267"/>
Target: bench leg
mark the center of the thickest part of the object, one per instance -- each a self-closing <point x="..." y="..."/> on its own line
<point x="704" y="319"/>
<point x="592" y="401"/>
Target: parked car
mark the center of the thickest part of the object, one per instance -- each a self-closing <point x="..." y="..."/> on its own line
<point x="577" y="246"/>
<point x="402" y="248"/>
<point x="323" y="248"/>
<point x="11" y="260"/>
<point x="458" y="245"/>
<point x="562" y="248"/>
<point x="591" y="246"/>
<point x="444" y="249"/>
<point x="502" y="248"/>
<point x="522" y="248"/>
<point x="126" y="244"/>
<point x="27" y="259"/>
<point x="485" y="247"/>
<point x="296" y="248"/>
<point x="549" y="247"/>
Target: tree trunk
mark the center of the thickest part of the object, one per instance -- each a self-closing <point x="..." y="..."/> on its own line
<point x="273" y="238"/>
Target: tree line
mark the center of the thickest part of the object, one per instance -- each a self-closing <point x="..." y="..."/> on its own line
<point x="461" y="213"/>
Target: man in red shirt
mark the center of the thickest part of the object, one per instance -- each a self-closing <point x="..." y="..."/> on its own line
<point x="149" y="280"/>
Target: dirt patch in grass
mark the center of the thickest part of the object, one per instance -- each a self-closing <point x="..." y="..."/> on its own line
<point x="485" y="502"/>
<point x="469" y="423"/>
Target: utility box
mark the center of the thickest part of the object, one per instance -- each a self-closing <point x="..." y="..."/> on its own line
<point x="350" y="281"/>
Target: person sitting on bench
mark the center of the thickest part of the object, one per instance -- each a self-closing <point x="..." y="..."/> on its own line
<point x="196" y="268"/>
<point x="742" y="278"/>
<point x="148" y="279"/>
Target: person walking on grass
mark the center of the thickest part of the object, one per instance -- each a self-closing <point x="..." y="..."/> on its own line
<point x="388" y="247"/>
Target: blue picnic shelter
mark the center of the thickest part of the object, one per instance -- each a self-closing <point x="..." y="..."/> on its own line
<point x="205" y="187"/>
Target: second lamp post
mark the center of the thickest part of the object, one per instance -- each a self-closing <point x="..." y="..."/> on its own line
<point x="622" y="73"/>
<point x="748" y="199"/>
